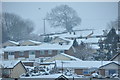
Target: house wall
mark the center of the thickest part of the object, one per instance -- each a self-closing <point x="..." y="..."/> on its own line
<point x="79" y="71"/>
<point x="6" y="72"/>
<point x="27" y="43"/>
<point x="5" y="55"/>
<point x="102" y="72"/>
<point x="28" y="64"/>
<point x="8" y="44"/>
<point x="16" y="54"/>
<point x="17" y="71"/>
<point x="58" y="57"/>
<point x="58" y="40"/>
<point x="46" y="54"/>
<point x="69" y="52"/>
<point x="0" y="71"/>
<point x="37" y="54"/>
<point x="26" y="54"/>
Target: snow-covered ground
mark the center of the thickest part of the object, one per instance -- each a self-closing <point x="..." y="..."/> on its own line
<point x="52" y="76"/>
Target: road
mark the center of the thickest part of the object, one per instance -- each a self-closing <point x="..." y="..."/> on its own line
<point x="54" y="79"/>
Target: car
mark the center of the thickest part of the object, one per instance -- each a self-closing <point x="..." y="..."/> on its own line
<point x="115" y="75"/>
<point x="94" y="75"/>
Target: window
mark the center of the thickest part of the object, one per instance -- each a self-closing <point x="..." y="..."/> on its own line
<point x="21" y="53"/>
<point x="6" y="72"/>
<point x="86" y="71"/>
<point x="106" y="72"/>
<point x="62" y="51"/>
<point x="112" y="71"/>
<point x="31" y="52"/>
<point x="49" y="52"/>
<point x="11" y="53"/>
<point x="41" y="52"/>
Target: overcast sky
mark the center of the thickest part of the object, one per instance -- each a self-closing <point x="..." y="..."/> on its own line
<point x="94" y="15"/>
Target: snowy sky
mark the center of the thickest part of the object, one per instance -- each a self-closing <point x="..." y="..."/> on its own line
<point x="94" y="15"/>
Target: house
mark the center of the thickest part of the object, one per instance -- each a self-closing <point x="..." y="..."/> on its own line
<point x="10" y="43"/>
<point x="109" y="69"/>
<point x="12" y="68"/>
<point x="116" y="57"/>
<point x="29" y="43"/>
<point x="63" y="57"/>
<point x="80" y="67"/>
<point x="33" y="52"/>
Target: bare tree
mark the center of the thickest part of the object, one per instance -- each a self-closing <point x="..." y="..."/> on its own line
<point x="63" y="16"/>
<point x="15" y="28"/>
<point x="83" y="51"/>
<point x="114" y="24"/>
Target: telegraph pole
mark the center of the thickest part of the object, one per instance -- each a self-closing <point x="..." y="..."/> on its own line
<point x="44" y="25"/>
<point x="62" y="67"/>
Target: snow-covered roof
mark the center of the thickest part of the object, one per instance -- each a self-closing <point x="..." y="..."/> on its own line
<point x="17" y="43"/>
<point x="81" y="64"/>
<point x="36" y="42"/>
<point x="72" y="35"/>
<point x="88" y="40"/>
<point x="116" y="63"/>
<point x="43" y="46"/>
<point x="9" y="63"/>
<point x="80" y="33"/>
<point x="97" y="32"/>
<point x="72" y="57"/>
<point x="95" y="46"/>
<point x="66" y="39"/>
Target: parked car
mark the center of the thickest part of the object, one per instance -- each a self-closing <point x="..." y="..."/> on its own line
<point x="115" y="75"/>
<point x="94" y="75"/>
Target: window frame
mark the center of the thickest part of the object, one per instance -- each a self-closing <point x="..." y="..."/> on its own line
<point x="49" y="52"/>
<point x="11" y="53"/>
<point x="31" y="52"/>
<point x="88" y="71"/>
<point x="42" y="52"/>
<point x="21" y="53"/>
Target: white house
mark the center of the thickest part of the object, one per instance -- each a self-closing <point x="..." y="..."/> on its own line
<point x="42" y="50"/>
<point x="110" y="69"/>
<point x="80" y="67"/>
